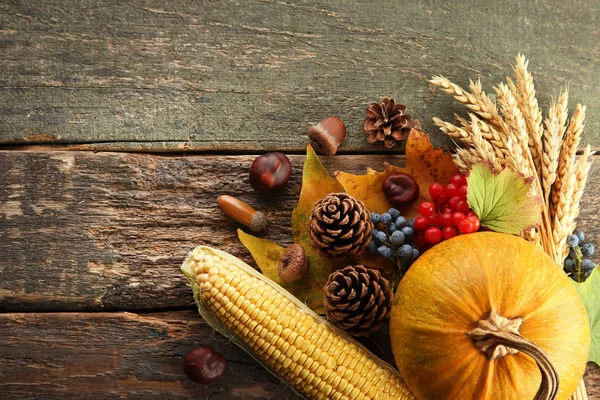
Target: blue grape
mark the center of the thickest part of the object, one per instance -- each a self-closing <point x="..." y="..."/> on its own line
<point x="405" y="252"/>
<point x="587" y="249"/>
<point x="408" y="231"/>
<point x="580" y="235"/>
<point x="391" y="228"/>
<point x="401" y="222"/>
<point x="587" y="265"/>
<point x="586" y="274"/>
<point x="411" y="223"/>
<point x="573" y="276"/>
<point x="573" y="241"/>
<point x="394" y="213"/>
<point x="415" y="254"/>
<point x="572" y="253"/>
<point x="381" y="237"/>
<point x="570" y="265"/>
<point x="397" y="238"/>
<point x="375" y="218"/>
<point x="384" y="251"/>
<point x="374" y="232"/>
<point x="372" y="247"/>
<point x="386" y="218"/>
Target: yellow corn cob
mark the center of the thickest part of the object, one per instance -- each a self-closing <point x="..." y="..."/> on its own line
<point x="284" y="335"/>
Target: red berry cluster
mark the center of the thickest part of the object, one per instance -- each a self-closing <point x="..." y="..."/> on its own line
<point x="447" y="215"/>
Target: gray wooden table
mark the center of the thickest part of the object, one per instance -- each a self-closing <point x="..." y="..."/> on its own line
<point x="121" y="122"/>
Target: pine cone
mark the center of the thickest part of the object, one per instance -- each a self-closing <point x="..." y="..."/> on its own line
<point x="339" y="226"/>
<point x="357" y="299"/>
<point x="387" y="122"/>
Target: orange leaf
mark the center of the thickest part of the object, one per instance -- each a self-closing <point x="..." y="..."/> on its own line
<point x="426" y="164"/>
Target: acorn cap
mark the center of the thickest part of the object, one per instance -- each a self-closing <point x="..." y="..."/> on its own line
<point x="259" y="222"/>
<point x="327" y="135"/>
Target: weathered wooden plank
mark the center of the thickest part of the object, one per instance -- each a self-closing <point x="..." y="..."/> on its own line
<point x="126" y="355"/>
<point x="85" y="231"/>
<point x="224" y="76"/>
<point x="108" y="231"/>
<point x="120" y="355"/>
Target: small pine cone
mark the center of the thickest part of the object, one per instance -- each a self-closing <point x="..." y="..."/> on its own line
<point x="339" y="226"/>
<point x="357" y="299"/>
<point x="387" y="122"/>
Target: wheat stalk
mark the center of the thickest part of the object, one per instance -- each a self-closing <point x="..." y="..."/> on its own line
<point x="480" y="150"/>
<point x="516" y="139"/>
<point x="567" y="152"/>
<point x="581" y="173"/>
<point x="560" y="218"/>
<point x="531" y="111"/>
<point x="552" y="139"/>
<point x="517" y="129"/>
<point x="568" y="206"/>
<point x="477" y="101"/>
<point x="454" y="131"/>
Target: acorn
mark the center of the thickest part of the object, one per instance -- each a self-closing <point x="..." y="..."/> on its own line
<point x="327" y="135"/>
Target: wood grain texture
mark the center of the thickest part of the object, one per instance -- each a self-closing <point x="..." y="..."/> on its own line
<point x="125" y="355"/>
<point x="120" y="356"/>
<point x="84" y="231"/>
<point x="108" y="231"/>
<point x="210" y="75"/>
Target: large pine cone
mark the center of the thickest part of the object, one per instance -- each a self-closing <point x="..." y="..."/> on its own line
<point x="387" y="122"/>
<point x="357" y="299"/>
<point x="339" y="226"/>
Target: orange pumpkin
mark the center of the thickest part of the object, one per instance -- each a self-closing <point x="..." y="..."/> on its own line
<point x="486" y="316"/>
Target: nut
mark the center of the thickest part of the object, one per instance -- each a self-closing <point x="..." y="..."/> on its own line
<point x="270" y="172"/>
<point x="400" y="189"/>
<point x="242" y="212"/>
<point x="293" y="264"/>
<point x="327" y="135"/>
<point x="204" y="365"/>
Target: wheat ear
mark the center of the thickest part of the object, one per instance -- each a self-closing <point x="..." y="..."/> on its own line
<point x="567" y="152"/>
<point x="552" y="139"/>
<point x="517" y="131"/>
<point x="477" y="101"/>
<point x="531" y="111"/>
<point x="582" y="170"/>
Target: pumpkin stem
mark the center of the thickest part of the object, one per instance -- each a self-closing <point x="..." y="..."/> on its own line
<point x="497" y="336"/>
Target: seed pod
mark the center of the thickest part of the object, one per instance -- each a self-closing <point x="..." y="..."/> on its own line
<point x="293" y="265"/>
<point x="242" y="212"/>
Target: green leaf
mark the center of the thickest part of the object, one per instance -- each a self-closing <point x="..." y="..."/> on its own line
<point x="501" y="201"/>
<point x="590" y="295"/>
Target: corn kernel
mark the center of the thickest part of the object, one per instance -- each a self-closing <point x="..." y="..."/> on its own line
<point x="303" y="349"/>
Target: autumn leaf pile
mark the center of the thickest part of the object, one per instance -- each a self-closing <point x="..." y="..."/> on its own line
<point x="426" y="164"/>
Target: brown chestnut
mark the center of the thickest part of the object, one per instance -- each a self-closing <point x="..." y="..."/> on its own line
<point x="327" y="135"/>
<point x="204" y="365"/>
<point x="400" y="189"/>
<point x="293" y="264"/>
<point x="270" y="172"/>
